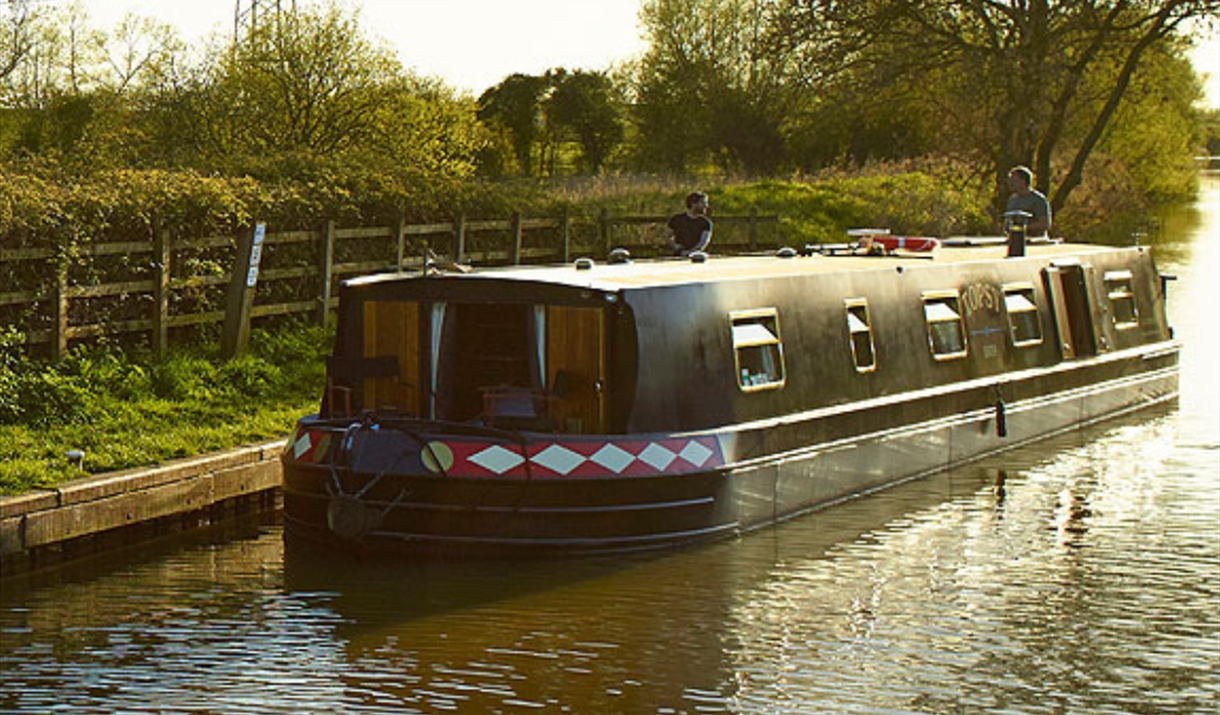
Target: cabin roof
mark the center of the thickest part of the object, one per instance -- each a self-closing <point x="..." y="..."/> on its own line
<point x="661" y="272"/>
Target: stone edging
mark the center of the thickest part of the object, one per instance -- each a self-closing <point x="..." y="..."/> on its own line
<point x="51" y="517"/>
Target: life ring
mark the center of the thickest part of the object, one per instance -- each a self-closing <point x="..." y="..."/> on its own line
<point x="917" y="244"/>
<point x="349" y="518"/>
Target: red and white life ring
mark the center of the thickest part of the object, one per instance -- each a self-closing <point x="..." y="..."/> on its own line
<point x="919" y="244"/>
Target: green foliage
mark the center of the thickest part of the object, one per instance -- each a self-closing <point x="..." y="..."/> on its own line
<point x="546" y="124"/>
<point x="126" y="411"/>
<point x="310" y="92"/>
<point x="515" y="105"/>
<point x="906" y="201"/>
<point x="309" y="119"/>
<point x="914" y="202"/>
<point x="66" y="392"/>
<point x="583" y="106"/>
<point x="184" y="377"/>
<point x="307" y="90"/>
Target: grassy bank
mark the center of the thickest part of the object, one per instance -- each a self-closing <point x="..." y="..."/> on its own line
<point x="125" y="410"/>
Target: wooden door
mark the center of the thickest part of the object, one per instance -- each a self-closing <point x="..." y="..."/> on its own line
<point x="576" y="368"/>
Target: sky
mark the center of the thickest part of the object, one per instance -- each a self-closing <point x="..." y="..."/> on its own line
<point x="473" y="44"/>
<point x="470" y="44"/>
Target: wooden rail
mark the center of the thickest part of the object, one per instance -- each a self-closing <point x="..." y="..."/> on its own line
<point x="162" y="290"/>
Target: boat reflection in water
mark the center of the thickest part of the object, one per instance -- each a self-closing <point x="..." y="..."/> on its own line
<point x="587" y="409"/>
<point x="624" y="633"/>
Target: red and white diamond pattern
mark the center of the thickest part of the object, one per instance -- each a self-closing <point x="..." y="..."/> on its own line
<point x="588" y="459"/>
<point x="309" y="445"/>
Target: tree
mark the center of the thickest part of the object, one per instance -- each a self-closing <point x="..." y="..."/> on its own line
<point x="308" y="82"/>
<point x="583" y="106"/>
<point x="539" y="116"/>
<point x="515" y="105"/>
<point x="425" y="130"/>
<point x="138" y="52"/>
<point x="713" y="85"/>
<point x="1027" y="81"/>
<point x="305" y="91"/>
<point x="15" y="37"/>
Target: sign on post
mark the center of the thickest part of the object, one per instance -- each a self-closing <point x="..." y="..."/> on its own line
<point x="240" y="302"/>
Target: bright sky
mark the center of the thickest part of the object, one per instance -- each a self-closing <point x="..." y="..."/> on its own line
<point x="473" y="44"/>
<point x="470" y="44"/>
<point x="1206" y="59"/>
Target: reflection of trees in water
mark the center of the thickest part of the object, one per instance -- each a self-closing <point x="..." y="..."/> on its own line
<point x="613" y="634"/>
<point x="78" y="594"/>
<point x="1168" y="228"/>
<point x="146" y="621"/>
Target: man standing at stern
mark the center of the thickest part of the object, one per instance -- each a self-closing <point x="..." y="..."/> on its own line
<point x="1028" y="214"/>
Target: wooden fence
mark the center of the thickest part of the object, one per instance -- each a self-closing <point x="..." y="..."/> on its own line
<point x="167" y="284"/>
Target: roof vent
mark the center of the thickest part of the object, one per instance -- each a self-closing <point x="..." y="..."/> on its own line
<point x="584" y="264"/>
<point x="786" y="252"/>
<point x="620" y="255"/>
<point x="698" y="257"/>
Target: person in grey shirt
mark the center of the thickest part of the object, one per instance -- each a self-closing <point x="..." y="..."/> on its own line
<point x="1028" y="214"/>
<point x="1028" y="199"/>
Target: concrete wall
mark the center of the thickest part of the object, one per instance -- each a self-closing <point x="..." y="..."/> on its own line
<point x="78" y="517"/>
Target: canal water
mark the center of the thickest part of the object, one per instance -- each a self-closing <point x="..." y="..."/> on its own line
<point x="1080" y="575"/>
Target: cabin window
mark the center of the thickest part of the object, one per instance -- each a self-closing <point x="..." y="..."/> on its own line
<point x="1024" y="323"/>
<point x="758" y="348"/>
<point x="946" y="330"/>
<point x="1122" y="299"/>
<point x="860" y="331"/>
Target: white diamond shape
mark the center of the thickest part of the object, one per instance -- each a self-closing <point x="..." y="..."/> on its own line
<point x="558" y="459"/>
<point x="657" y="456"/>
<point x="302" y="445"/>
<point x="613" y="457"/>
<point x="695" y="453"/>
<point x="497" y="459"/>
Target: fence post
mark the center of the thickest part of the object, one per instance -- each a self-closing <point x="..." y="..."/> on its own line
<point x="603" y="229"/>
<point x="161" y="259"/>
<point x="59" y="342"/>
<point x="459" y="237"/>
<point x="515" y="251"/>
<point x="326" y="268"/>
<point x="240" y="301"/>
<point x="567" y="235"/>
<point x="402" y="240"/>
<point x="753" y="228"/>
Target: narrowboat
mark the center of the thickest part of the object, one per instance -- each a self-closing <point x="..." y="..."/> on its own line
<point x="637" y="404"/>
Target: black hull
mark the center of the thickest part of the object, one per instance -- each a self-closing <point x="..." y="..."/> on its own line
<point x="771" y="470"/>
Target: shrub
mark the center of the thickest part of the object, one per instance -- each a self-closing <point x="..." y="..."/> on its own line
<point x="184" y="377"/>
<point x="248" y="377"/>
<point x="46" y="397"/>
<point x="102" y="369"/>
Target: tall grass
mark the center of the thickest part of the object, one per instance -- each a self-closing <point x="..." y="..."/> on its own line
<point x="126" y="410"/>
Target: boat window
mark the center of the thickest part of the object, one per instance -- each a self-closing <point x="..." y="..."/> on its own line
<point x="758" y="349"/>
<point x="1024" y="323"/>
<point x="946" y="330"/>
<point x="1122" y="299"/>
<point x="860" y="331"/>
